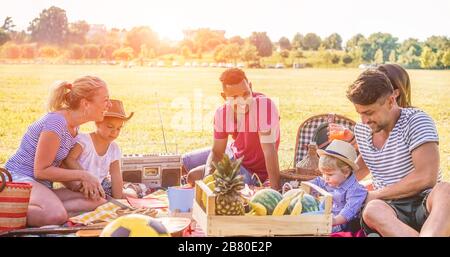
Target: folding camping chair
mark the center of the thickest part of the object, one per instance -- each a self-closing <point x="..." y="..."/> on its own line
<point x="314" y="129"/>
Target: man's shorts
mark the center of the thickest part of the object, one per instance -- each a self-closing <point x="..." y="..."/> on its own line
<point x="199" y="157"/>
<point x="411" y="210"/>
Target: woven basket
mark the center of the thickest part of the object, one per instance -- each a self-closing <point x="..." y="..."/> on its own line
<point x="308" y="132"/>
<point x="14" y="199"/>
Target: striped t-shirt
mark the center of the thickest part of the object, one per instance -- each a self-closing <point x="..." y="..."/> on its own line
<point x="22" y="162"/>
<point x="393" y="161"/>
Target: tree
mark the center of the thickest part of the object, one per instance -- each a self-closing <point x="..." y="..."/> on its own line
<point x="28" y="51"/>
<point x="212" y="43"/>
<point x="91" y="51"/>
<point x="446" y="59"/>
<point x="4" y="37"/>
<point x="297" y="41"/>
<point x="347" y="59"/>
<point x="237" y="39"/>
<point x="359" y="49"/>
<point x="138" y="36"/>
<point x="5" y="30"/>
<point x="439" y="57"/>
<point x="124" y="53"/>
<point x="249" y="53"/>
<point x="185" y="52"/>
<point x="187" y="43"/>
<point x="19" y="37"/>
<point x="379" y="58"/>
<point x="354" y="42"/>
<point x="334" y="41"/>
<point x="202" y="36"/>
<point x="12" y="51"/>
<point x="262" y="42"/>
<point x="108" y="50"/>
<point x="48" y="52"/>
<point x="99" y="35"/>
<point x="297" y="54"/>
<point x="437" y="43"/>
<point x="428" y="59"/>
<point x="311" y="41"/>
<point x="284" y="54"/>
<point x="328" y="56"/>
<point x="76" y="52"/>
<point x="50" y="27"/>
<point x="77" y="32"/>
<point x="231" y="52"/>
<point x="284" y="43"/>
<point x="384" y="41"/>
<point x="8" y="24"/>
<point x="409" y="59"/>
<point x="165" y="47"/>
<point x="392" y="57"/>
<point x="407" y="44"/>
<point x="115" y="36"/>
<point x="218" y="53"/>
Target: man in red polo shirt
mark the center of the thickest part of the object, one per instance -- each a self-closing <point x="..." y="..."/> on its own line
<point x="252" y="120"/>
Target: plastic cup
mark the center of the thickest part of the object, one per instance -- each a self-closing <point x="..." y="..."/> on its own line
<point x="180" y="199"/>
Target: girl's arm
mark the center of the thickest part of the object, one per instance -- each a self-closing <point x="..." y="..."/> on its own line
<point x="71" y="162"/>
<point x="116" y="179"/>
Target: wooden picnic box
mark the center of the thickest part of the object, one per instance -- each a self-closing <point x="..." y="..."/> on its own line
<point x="286" y="225"/>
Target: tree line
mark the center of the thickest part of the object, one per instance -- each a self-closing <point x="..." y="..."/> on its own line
<point x="51" y="35"/>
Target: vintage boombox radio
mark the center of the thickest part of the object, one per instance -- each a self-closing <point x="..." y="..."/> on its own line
<point x="153" y="170"/>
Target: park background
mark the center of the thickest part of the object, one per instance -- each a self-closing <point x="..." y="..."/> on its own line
<point x="305" y="72"/>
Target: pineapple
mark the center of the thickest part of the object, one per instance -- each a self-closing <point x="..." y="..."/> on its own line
<point x="228" y="185"/>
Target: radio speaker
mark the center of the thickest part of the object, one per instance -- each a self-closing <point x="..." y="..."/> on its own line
<point x="171" y="177"/>
<point x="133" y="176"/>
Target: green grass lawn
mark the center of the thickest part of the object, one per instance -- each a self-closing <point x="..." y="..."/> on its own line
<point x="189" y="96"/>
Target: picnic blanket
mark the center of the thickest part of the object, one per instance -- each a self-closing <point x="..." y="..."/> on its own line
<point x="104" y="213"/>
<point x="108" y="212"/>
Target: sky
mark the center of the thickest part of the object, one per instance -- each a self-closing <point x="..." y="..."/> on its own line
<point x="403" y="19"/>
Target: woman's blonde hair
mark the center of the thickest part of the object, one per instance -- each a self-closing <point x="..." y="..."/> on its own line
<point x="330" y="162"/>
<point x="67" y="95"/>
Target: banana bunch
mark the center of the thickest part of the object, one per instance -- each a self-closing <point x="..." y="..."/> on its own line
<point x="287" y="200"/>
<point x="281" y="207"/>
<point x="298" y="205"/>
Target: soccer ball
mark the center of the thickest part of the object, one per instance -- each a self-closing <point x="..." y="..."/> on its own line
<point x="135" y="225"/>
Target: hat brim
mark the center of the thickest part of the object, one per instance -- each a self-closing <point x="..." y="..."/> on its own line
<point x="354" y="166"/>
<point x="120" y="116"/>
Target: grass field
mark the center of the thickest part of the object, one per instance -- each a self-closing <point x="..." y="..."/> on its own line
<point x="189" y="96"/>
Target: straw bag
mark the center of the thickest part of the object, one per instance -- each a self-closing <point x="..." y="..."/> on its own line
<point x="14" y="199"/>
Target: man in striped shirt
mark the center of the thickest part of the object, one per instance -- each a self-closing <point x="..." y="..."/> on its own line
<point x="399" y="147"/>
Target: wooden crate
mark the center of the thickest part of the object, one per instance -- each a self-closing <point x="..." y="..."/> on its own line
<point x="286" y="225"/>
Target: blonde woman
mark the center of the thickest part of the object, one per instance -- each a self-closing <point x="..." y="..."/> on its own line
<point x="48" y="141"/>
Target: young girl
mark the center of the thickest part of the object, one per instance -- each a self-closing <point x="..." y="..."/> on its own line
<point x="99" y="154"/>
